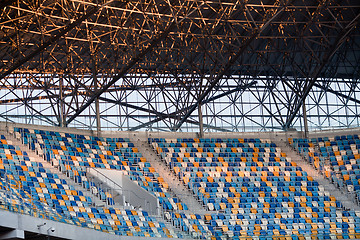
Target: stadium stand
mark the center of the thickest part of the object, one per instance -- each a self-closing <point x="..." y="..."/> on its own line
<point x="139" y="105"/>
<point x="46" y="190"/>
<point x="336" y="157"/>
<point x="73" y="153"/>
<point x="249" y="187"/>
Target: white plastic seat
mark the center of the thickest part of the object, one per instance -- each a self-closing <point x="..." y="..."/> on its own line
<point x="210" y="206"/>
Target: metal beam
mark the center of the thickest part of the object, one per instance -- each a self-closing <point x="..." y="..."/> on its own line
<point x="306" y="127"/>
<point x="172" y="115"/>
<point x="201" y="123"/>
<point x="27" y="99"/>
<point x="188" y="120"/>
<point x="328" y="55"/>
<point x="326" y="89"/>
<point x="211" y="99"/>
<point x="154" y="112"/>
<point x="227" y="66"/>
<point x="51" y="41"/>
<point x="61" y="108"/>
<point x="124" y="70"/>
<point x="157" y="39"/>
<point x="162" y="117"/>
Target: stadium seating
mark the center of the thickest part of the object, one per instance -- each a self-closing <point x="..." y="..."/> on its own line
<point x="77" y="152"/>
<point x="50" y="191"/>
<point x="336" y="157"/>
<point x="251" y="188"/>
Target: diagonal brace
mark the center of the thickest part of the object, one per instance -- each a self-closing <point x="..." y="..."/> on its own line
<point x="226" y="68"/>
<point x="172" y="115"/>
<point x="123" y="71"/>
<point x="327" y="89"/>
<point x="330" y="53"/>
<point x="50" y="41"/>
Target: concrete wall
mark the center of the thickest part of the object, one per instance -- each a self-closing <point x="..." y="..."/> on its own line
<point x="139" y="197"/>
<point x="27" y="223"/>
<point x="144" y="135"/>
<point x="132" y="193"/>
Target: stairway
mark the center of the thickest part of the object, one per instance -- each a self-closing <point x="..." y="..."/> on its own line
<point x="347" y="201"/>
<point x="36" y="158"/>
<point x="175" y="185"/>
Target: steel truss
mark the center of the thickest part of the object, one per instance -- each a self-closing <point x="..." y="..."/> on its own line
<point x="150" y="64"/>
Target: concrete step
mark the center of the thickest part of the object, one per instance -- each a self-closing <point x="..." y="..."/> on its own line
<point x="177" y="188"/>
<point x="347" y="200"/>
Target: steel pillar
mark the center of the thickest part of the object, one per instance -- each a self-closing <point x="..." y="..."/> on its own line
<point x="201" y="124"/>
<point x="61" y="101"/>
<point x="306" y="128"/>
<point x="97" y="105"/>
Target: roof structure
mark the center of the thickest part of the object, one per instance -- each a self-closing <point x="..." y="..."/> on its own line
<point x="236" y="65"/>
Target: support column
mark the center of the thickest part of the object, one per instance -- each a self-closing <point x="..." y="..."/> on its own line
<point x="97" y="106"/>
<point x="306" y="129"/>
<point x="61" y="99"/>
<point x="201" y="123"/>
<point x="97" y="110"/>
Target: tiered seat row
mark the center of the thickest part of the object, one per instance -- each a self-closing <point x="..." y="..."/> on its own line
<point x="29" y="188"/>
<point x="74" y="153"/>
<point x="108" y="154"/>
<point x="15" y="199"/>
<point x="264" y="195"/>
<point x="336" y="157"/>
<point x="46" y="189"/>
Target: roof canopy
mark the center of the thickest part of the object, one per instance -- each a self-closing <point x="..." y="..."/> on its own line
<point x="157" y="61"/>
